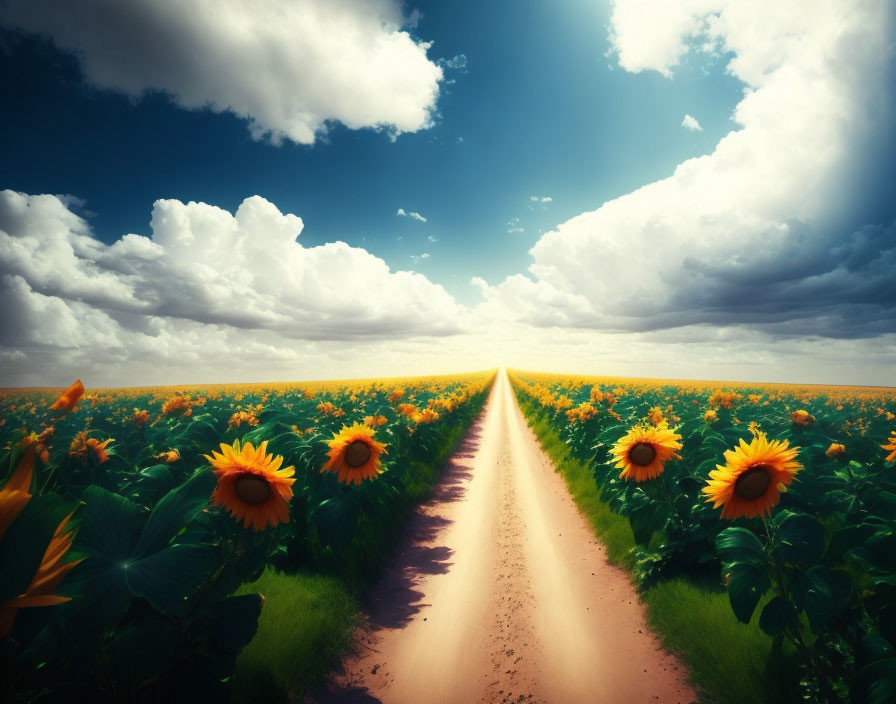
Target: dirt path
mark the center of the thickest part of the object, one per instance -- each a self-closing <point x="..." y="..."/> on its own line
<point x="503" y="594"/>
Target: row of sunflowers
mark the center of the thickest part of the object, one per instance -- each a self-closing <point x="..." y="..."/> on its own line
<point x="129" y="518"/>
<point x="774" y="490"/>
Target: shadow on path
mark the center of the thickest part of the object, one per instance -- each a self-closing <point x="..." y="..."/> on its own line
<point x="394" y="600"/>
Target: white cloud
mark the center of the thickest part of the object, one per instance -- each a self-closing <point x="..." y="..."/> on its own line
<point x="288" y="67"/>
<point x="412" y="215"/>
<point x="513" y="225"/>
<point x="458" y="62"/>
<point x="418" y="258"/>
<point x="689" y="122"/>
<point x="758" y="232"/>
<point x="432" y="238"/>
<point x="540" y="199"/>
<point x="203" y="265"/>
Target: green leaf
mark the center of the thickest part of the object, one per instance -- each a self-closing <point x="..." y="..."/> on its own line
<point x="109" y="524"/>
<point x="829" y="591"/>
<point x="142" y="652"/>
<point x="174" y="511"/>
<point x="167" y="578"/>
<point x="875" y="683"/>
<point x="802" y="538"/>
<point x="335" y="520"/>
<point x="646" y="520"/>
<point x="739" y="545"/>
<point x="777" y="616"/>
<point x="233" y="622"/>
<point x="746" y="586"/>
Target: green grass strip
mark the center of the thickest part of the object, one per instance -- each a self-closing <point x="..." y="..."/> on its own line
<point x="305" y="625"/>
<point x="730" y="662"/>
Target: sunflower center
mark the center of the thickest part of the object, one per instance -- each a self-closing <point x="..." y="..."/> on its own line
<point x="642" y="454"/>
<point x="752" y="484"/>
<point x="252" y="490"/>
<point x="357" y="453"/>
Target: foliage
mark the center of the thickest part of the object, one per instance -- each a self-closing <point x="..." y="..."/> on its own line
<point x="822" y="563"/>
<point x="154" y="610"/>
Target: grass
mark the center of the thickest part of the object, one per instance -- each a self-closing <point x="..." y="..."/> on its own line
<point x="305" y="625"/>
<point x="731" y="662"/>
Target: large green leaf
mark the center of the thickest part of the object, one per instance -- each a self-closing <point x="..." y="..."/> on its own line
<point x="739" y="545"/>
<point x="233" y="622"/>
<point x="777" y="616"/>
<point x="646" y="520"/>
<point x="109" y="524"/>
<point x="875" y="682"/>
<point x="801" y="538"/>
<point x="829" y="593"/>
<point x="747" y="584"/>
<point x="142" y="652"/>
<point x="174" y="511"/>
<point x="169" y="577"/>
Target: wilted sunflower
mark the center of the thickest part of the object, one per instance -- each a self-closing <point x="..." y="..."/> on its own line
<point x="354" y="454"/>
<point x="251" y="484"/>
<point x="640" y="453"/>
<point x="753" y="477"/>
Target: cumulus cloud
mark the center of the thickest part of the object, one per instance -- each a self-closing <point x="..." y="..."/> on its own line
<point x="540" y="199"/>
<point x="412" y="215"/>
<point x="203" y="266"/>
<point x="767" y="231"/>
<point x="287" y="66"/>
<point x="689" y="122"/>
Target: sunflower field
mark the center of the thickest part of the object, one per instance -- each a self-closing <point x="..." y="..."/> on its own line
<point x="131" y="518"/>
<point x="783" y="495"/>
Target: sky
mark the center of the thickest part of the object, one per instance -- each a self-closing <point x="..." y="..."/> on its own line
<point x="225" y="191"/>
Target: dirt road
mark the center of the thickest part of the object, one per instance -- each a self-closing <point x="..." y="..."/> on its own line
<point x="502" y="593"/>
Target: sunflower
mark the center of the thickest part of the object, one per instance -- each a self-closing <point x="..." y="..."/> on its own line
<point x="81" y="443"/>
<point x="354" y="454"/>
<point x="641" y="452"/>
<point x="802" y="417"/>
<point x="375" y="421"/>
<point x="891" y="447"/>
<point x="251" y="484"/>
<point x="835" y="449"/>
<point x="51" y="570"/>
<point x="69" y="398"/>
<point x="753" y="477"/>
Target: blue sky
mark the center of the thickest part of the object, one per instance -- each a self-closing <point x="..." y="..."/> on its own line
<point x="539" y="107"/>
<point x="734" y="250"/>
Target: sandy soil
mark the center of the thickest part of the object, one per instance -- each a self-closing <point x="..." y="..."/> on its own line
<point x="501" y="593"/>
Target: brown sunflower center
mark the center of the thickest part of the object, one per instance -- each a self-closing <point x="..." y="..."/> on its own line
<point x="753" y="483"/>
<point x="357" y="453"/>
<point x="252" y="490"/>
<point x="642" y="454"/>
